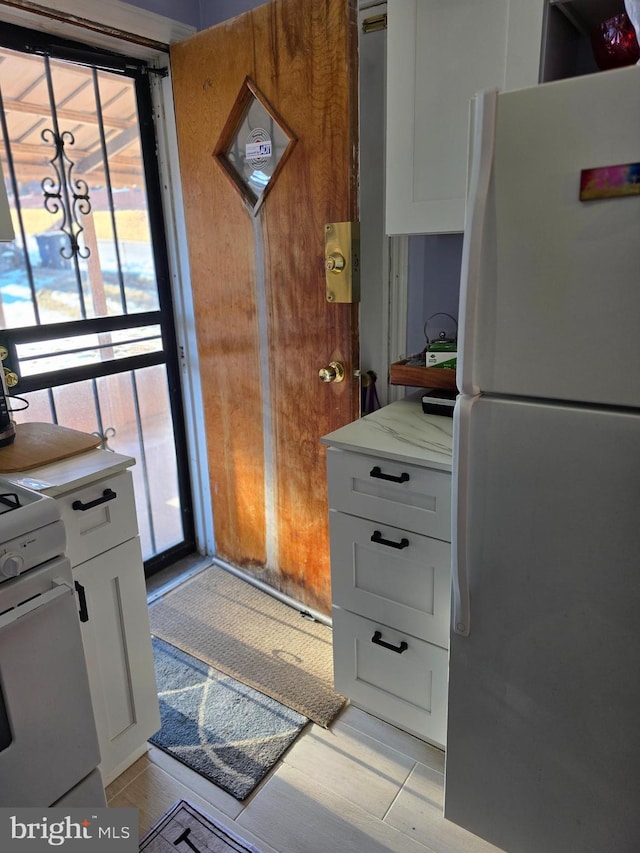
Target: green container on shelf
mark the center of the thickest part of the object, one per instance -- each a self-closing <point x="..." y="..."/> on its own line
<point x="442" y="353"/>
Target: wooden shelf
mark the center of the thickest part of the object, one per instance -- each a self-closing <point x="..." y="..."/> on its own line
<point x="401" y="373"/>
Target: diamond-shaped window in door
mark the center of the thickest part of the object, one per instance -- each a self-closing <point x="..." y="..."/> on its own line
<point x="254" y="145"/>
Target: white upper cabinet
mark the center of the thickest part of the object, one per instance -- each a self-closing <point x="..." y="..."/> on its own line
<point x="439" y="54"/>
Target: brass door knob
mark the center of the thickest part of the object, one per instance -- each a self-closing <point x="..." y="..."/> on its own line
<point x="334" y="372"/>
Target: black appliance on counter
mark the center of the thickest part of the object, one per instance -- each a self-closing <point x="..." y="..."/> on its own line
<point x="439" y="401"/>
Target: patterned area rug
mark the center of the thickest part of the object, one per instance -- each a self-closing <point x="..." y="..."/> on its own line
<point x="251" y="636"/>
<point x="226" y="731"/>
<point x="183" y="827"/>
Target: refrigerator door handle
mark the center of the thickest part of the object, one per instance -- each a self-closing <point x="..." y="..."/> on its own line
<point x="482" y="143"/>
<point x="460" y="602"/>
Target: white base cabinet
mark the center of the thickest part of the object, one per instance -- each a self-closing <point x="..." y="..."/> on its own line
<point x="104" y="549"/>
<point x="95" y="494"/>
<point x="118" y="653"/>
<point x="390" y="523"/>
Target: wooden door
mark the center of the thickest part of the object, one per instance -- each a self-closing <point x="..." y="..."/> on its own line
<point x="263" y="323"/>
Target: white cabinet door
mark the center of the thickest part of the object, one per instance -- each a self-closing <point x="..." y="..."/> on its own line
<point x="117" y="646"/>
<point x="439" y="54"/>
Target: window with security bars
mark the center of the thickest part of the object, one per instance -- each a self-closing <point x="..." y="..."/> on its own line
<point x="86" y="325"/>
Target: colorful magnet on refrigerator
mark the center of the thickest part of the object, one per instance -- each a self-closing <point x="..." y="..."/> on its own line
<point x="610" y="181"/>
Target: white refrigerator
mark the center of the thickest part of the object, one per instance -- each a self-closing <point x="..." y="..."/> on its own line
<point x="543" y="742"/>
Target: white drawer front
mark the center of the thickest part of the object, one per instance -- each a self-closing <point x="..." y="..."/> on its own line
<point x="95" y="521"/>
<point x="405" y="496"/>
<point x="407" y="687"/>
<point x="408" y="587"/>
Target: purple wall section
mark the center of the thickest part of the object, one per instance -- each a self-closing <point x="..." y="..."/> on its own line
<point x="197" y="13"/>
<point x="214" y="11"/>
<point x="185" y="11"/>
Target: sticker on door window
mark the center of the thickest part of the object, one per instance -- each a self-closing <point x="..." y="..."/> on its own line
<point x="258" y="148"/>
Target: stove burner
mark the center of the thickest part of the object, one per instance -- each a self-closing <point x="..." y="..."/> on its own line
<point x="8" y="501"/>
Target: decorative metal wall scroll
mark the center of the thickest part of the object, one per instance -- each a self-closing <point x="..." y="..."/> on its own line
<point x="66" y="193"/>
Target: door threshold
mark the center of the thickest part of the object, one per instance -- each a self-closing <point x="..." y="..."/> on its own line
<point x="159" y="584"/>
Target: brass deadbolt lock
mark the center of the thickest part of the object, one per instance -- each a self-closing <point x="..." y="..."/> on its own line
<point x="342" y="261"/>
<point x="334" y="372"/>
<point x="335" y="263"/>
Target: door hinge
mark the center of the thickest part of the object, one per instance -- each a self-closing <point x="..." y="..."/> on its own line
<point x="374" y="24"/>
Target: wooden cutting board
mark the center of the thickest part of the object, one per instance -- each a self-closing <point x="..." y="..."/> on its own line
<point x="38" y="444"/>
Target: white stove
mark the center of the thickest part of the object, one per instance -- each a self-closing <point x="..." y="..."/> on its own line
<point x="31" y="529"/>
<point x="48" y="743"/>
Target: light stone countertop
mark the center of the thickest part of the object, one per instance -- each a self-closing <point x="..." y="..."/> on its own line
<point x="71" y="473"/>
<point x="399" y="431"/>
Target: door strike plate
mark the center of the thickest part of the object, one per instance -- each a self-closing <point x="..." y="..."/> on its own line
<point x="342" y="261"/>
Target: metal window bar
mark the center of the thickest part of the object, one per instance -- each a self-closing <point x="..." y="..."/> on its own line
<point x="13" y="338"/>
<point x="18" y="208"/>
<point x="89" y="348"/>
<point x="52" y="406"/>
<point x="143" y="461"/>
<point x="97" y="408"/>
<point x="93" y="325"/>
<point x="109" y="188"/>
<point x="68" y="375"/>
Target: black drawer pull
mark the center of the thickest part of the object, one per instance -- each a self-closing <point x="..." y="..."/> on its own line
<point x="82" y="600"/>
<point x="107" y="495"/>
<point x="376" y="537"/>
<point x="377" y="472"/>
<point x="377" y="639"/>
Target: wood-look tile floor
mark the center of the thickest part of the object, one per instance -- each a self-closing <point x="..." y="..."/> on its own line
<point x="360" y="786"/>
